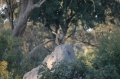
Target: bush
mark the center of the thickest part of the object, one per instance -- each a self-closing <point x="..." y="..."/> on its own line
<point x="106" y="61"/>
<point x="4" y="74"/>
<point x="3" y="66"/>
<point x="10" y="51"/>
<point x="101" y="63"/>
<point x="64" y="70"/>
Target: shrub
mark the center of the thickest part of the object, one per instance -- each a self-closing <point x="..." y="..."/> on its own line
<point x="64" y="71"/>
<point x="102" y="63"/>
<point x="4" y="74"/>
<point x="106" y="61"/>
<point x="10" y="51"/>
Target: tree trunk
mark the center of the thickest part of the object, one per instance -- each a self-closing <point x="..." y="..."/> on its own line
<point x="20" y="27"/>
<point x="9" y="12"/>
<point x="27" y="6"/>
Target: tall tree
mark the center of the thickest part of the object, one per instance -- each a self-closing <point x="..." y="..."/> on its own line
<point x="26" y="7"/>
<point x="64" y="12"/>
<point x="11" y="5"/>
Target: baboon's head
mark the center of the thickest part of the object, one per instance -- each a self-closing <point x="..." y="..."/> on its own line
<point x="60" y="31"/>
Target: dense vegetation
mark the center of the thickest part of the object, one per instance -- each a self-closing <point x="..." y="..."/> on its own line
<point x="100" y="47"/>
<point x="102" y="63"/>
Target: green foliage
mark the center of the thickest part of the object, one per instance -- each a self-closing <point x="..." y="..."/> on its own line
<point x="105" y="63"/>
<point x="102" y="63"/>
<point x="65" y="12"/>
<point x="11" y="53"/>
<point x="106" y="72"/>
<point x="64" y="70"/>
<point x="3" y="45"/>
<point x="108" y="50"/>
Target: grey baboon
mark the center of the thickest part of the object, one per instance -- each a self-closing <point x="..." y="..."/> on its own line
<point x="59" y="36"/>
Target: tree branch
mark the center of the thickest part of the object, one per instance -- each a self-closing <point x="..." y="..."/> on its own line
<point x="35" y="48"/>
<point x="88" y="43"/>
<point x="37" y="5"/>
<point x="71" y="33"/>
<point x="69" y="19"/>
<point x="23" y="6"/>
<point x="47" y="49"/>
<point x="69" y="3"/>
<point x="9" y="12"/>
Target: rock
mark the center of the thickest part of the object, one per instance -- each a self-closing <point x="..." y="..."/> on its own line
<point x="33" y="74"/>
<point x="63" y="52"/>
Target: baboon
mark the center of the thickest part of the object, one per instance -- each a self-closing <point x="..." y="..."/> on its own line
<point x="59" y="36"/>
